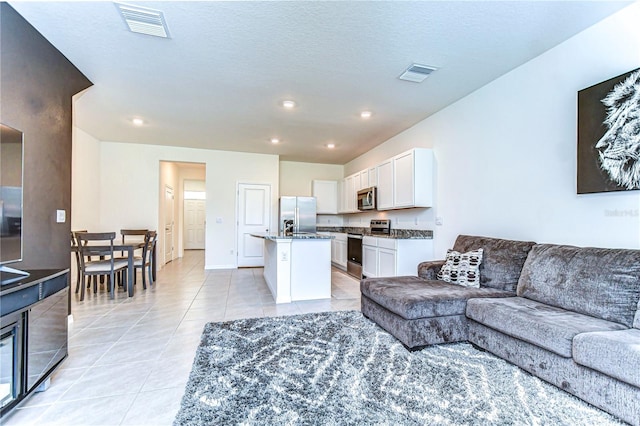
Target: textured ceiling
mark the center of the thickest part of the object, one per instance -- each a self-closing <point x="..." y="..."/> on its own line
<point x="217" y="82"/>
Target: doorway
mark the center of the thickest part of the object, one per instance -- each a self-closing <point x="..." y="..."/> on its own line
<point x="194" y="214"/>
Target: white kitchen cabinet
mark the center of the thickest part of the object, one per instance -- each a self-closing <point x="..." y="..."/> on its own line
<point x="364" y="180"/>
<point x="326" y="193"/>
<point x="406" y="180"/>
<point x="369" y="256"/>
<point x="349" y="193"/>
<point x="388" y="257"/>
<point x="373" y="177"/>
<point x="413" y="179"/>
<point x="387" y="262"/>
<point x="339" y="250"/>
<point x="384" y="172"/>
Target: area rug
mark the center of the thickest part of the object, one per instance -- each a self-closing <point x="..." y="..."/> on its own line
<point x="339" y="368"/>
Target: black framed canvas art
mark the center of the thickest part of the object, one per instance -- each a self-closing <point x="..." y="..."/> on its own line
<point x="609" y="135"/>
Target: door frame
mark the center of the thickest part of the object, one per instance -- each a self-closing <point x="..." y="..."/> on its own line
<point x="164" y="225"/>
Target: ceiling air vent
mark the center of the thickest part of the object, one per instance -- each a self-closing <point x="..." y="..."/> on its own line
<point x="417" y="73"/>
<point x="144" y="21"/>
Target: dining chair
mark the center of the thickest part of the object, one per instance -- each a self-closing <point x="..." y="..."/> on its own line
<point x="98" y="244"/>
<point x="74" y="243"/>
<point x="144" y="261"/>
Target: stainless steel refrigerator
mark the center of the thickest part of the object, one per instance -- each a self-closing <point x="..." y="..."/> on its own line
<point x="297" y="214"/>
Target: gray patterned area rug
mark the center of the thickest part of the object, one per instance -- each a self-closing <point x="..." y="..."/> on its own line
<point x="339" y="368"/>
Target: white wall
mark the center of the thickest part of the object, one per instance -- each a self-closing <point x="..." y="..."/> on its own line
<point x="296" y="177"/>
<point x="506" y="154"/>
<point x="130" y="188"/>
<point x="85" y="191"/>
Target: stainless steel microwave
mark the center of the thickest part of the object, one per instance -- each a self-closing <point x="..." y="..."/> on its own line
<point x="367" y="199"/>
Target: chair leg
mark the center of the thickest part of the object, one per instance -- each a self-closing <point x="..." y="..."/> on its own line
<point x="79" y="280"/>
<point x="95" y="284"/>
<point x="83" y="287"/>
<point x="144" y="280"/>
<point x="112" y="284"/>
<point x="150" y="275"/>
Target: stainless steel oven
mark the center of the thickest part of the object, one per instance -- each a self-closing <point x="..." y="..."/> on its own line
<point x="354" y="255"/>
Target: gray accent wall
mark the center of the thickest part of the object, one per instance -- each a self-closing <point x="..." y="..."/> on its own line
<point x="37" y="84"/>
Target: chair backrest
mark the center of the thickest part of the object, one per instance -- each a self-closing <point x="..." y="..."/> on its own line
<point x="87" y="250"/>
<point x="140" y="233"/>
<point x="74" y="243"/>
<point x="149" y="244"/>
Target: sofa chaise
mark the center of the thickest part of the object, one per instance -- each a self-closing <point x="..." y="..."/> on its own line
<point x="568" y="315"/>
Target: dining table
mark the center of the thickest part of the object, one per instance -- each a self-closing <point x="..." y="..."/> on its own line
<point x="130" y="248"/>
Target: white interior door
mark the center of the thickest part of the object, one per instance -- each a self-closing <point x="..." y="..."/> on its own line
<point x="254" y="215"/>
<point x="194" y="224"/>
<point x="168" y="224"/>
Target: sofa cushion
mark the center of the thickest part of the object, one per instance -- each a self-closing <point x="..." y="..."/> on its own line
<point x="462" y="268"/>
<point x="546" y="326"/>
<point x="413" y="297"/>
<point x="604" y="283"/>
<point x="502" y="259"/>
<point x="615" y="353"/>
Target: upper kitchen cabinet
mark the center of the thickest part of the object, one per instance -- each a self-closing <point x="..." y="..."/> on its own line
<point x="406" y="180"/>
<point x="384" y="171"/>
<point x="326" y="193"/>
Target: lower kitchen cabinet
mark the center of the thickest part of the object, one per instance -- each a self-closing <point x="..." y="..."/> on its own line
<point x="388" y="257"/>
<point x="339" y="250"/>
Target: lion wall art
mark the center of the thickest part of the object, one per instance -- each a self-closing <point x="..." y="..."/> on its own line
<point x="609" y="135"/>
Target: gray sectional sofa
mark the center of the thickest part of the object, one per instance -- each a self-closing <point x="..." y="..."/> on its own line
<point x="568" y="315"/>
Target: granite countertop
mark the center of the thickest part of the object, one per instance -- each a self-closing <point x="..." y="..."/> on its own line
<point x="299" y="236"/>
<point x="398" y="234"/>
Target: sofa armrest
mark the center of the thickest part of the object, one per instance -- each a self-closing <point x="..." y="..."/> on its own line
<point x="429" y="270"/>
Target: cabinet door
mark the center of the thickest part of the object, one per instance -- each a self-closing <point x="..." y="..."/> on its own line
<point x="373" y="177"/>
<point x="384" y="171"/>
<point x="342" y="253"/>
<point x="369" y="261"/>
<point x="386" y="262"/>
<point x="326" y="193"/>
<point x="403" y="180"/>
<point x="364" y="179"/>
<point x="342" y="196"/>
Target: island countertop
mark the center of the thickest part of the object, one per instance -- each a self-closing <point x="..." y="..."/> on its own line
<point x="299" y="236"/>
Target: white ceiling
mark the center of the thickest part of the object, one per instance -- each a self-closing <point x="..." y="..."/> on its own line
<point x="217" y="82"/>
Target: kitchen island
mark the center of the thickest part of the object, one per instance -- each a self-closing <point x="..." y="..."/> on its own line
<point x="297" y="267"/>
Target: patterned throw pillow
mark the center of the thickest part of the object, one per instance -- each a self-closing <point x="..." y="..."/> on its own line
<point x="462" y="268"/>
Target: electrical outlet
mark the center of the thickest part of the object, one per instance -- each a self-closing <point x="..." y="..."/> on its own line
<point x="439" y="220"/>
<point x="230" y="251"/>
<point x="61" y="216"/>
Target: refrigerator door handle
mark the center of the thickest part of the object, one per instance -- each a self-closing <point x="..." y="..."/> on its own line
<point x="296" y="220"/>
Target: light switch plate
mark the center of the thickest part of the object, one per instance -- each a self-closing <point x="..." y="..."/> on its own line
<point x="61" y="216"/>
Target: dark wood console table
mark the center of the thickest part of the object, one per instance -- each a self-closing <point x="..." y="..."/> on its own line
<point x="34" y="333"/>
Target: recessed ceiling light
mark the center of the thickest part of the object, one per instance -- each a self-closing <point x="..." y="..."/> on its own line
<point x="365" y="114"/>
<point x="331" y="145"/>
<point x="137" y="121"/>
<point x="288" y="104"/>
<point x="275" y="140"/>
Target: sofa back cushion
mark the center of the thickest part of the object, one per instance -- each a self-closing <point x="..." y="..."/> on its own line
<point x="604" y="283"/>
<point x="636" y="322"/>
<point x="502" y="260"/>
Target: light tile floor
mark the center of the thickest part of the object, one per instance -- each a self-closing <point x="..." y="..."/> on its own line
<point x="130" y="358"/>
